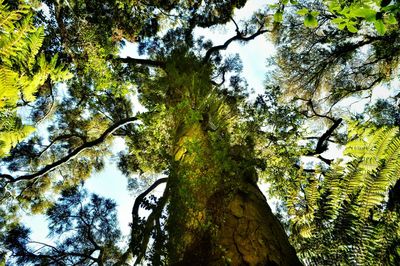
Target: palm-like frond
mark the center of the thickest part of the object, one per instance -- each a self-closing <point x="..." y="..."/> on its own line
<point x="23" y="70"/>
<point x="350" y="223"/>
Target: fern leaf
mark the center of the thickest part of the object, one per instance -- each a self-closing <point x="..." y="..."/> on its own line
<point x="8" y="87"/>
<point x="35" y="41"/>
<point x="12" y="138"/>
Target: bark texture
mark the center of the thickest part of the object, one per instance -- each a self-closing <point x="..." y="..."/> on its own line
<point x="220" y="217"/>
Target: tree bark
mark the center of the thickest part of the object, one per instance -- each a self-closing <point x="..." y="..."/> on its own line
<point x="218" y="216"/>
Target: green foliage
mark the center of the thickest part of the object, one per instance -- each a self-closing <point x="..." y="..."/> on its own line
<point x="350" y="15"/>
<point x="22" y="70"/>
<point x="354" y="13"/>
<point x="342" y="215"/>
<point x="310" y="17"/>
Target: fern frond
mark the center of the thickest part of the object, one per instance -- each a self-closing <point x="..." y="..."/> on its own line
<point x="11" y="138"/>
<point x="16" y="42"/>
<point x="386" y="138"/>
<point x="8" y="87"/>
<point x="35" y="41"/>
<point x="349" y="222"/>
<point x="7" y="19"/>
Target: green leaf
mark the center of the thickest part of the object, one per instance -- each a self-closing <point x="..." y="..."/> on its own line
<point x="390" y="8"/>
<point x="278" y="16"/>
<point x="351" y="28"/>
<point x="273" y="6"/>
<point x="314" y="13"/>
<point x="380" y="26"/>
<point x="302" y="12"/>
<point x="294" y="2"/>
<point x="390" y="19"/>
<point x="285" y="2"/>
<point x="362" y="12"/>
<point x="341" y="26"/>
<point x="338" y="20"/>
<point x="334" y="7"/>
<point x="310" y="21"/>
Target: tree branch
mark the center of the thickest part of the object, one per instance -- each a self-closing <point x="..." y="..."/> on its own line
<point x="322" y="141"/>
<point x="138" y="61"/>
<point x="58" y="138"/>
<point x="139" y="199"/>
<point x="50" y="167"/>
<point x="237" y="37"/>
<point x="150" y="225"/>
<point x="135" y="219"/>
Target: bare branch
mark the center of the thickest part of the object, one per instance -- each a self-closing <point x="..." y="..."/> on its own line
<point x="87" y="145"/>
<point x="311" y="104"/>
<point x="135" y="219"/>
<point x="237" y="37"/>
<point x="322" y="141"/>
<point x="140" y="61"/>
<point x="139" y="199"/>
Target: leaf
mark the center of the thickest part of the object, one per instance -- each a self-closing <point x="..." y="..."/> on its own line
<point x="338" y="20"/>
<point x="315" y="13"/>
<point x="310" y="21"/>
<point x="302" y="12"/>
<point x="351" y="28"/>
<point x="362" y="12"/>
<point x="389" y="8"/>
<point x="278" y="16"/>
<point x="380" y="27"/>
<point x="390" y="19"/>
<point x="334" y="7"/>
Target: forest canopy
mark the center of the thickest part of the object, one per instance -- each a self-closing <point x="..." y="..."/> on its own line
<point x="67" y="95"/>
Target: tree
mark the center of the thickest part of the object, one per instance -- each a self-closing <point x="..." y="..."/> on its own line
<point x="83" y="228"/>
<point x="351" y="205"/>
<point x="202" y="133"/>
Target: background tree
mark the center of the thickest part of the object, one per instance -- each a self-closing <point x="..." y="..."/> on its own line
<point x="86" y="232"/>
<point x="347" y="203"/>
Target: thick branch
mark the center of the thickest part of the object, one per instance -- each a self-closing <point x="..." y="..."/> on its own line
<point x="139" y="61"/>
<point x="322" y="141"/>
<point x="237" y="37"/>
<point x="150" y="225"/>
<point x="139" y="199"/>
<point x="58" y="138"/>
<point x="135" y="216"/>
<point x="327" y="161"/>
<point x="50" y="167"/>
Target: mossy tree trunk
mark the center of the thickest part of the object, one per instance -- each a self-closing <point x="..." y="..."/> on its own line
<point x="219" y="216"/>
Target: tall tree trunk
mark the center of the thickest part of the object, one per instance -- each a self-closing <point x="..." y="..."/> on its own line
<point x="218" y="215"/>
